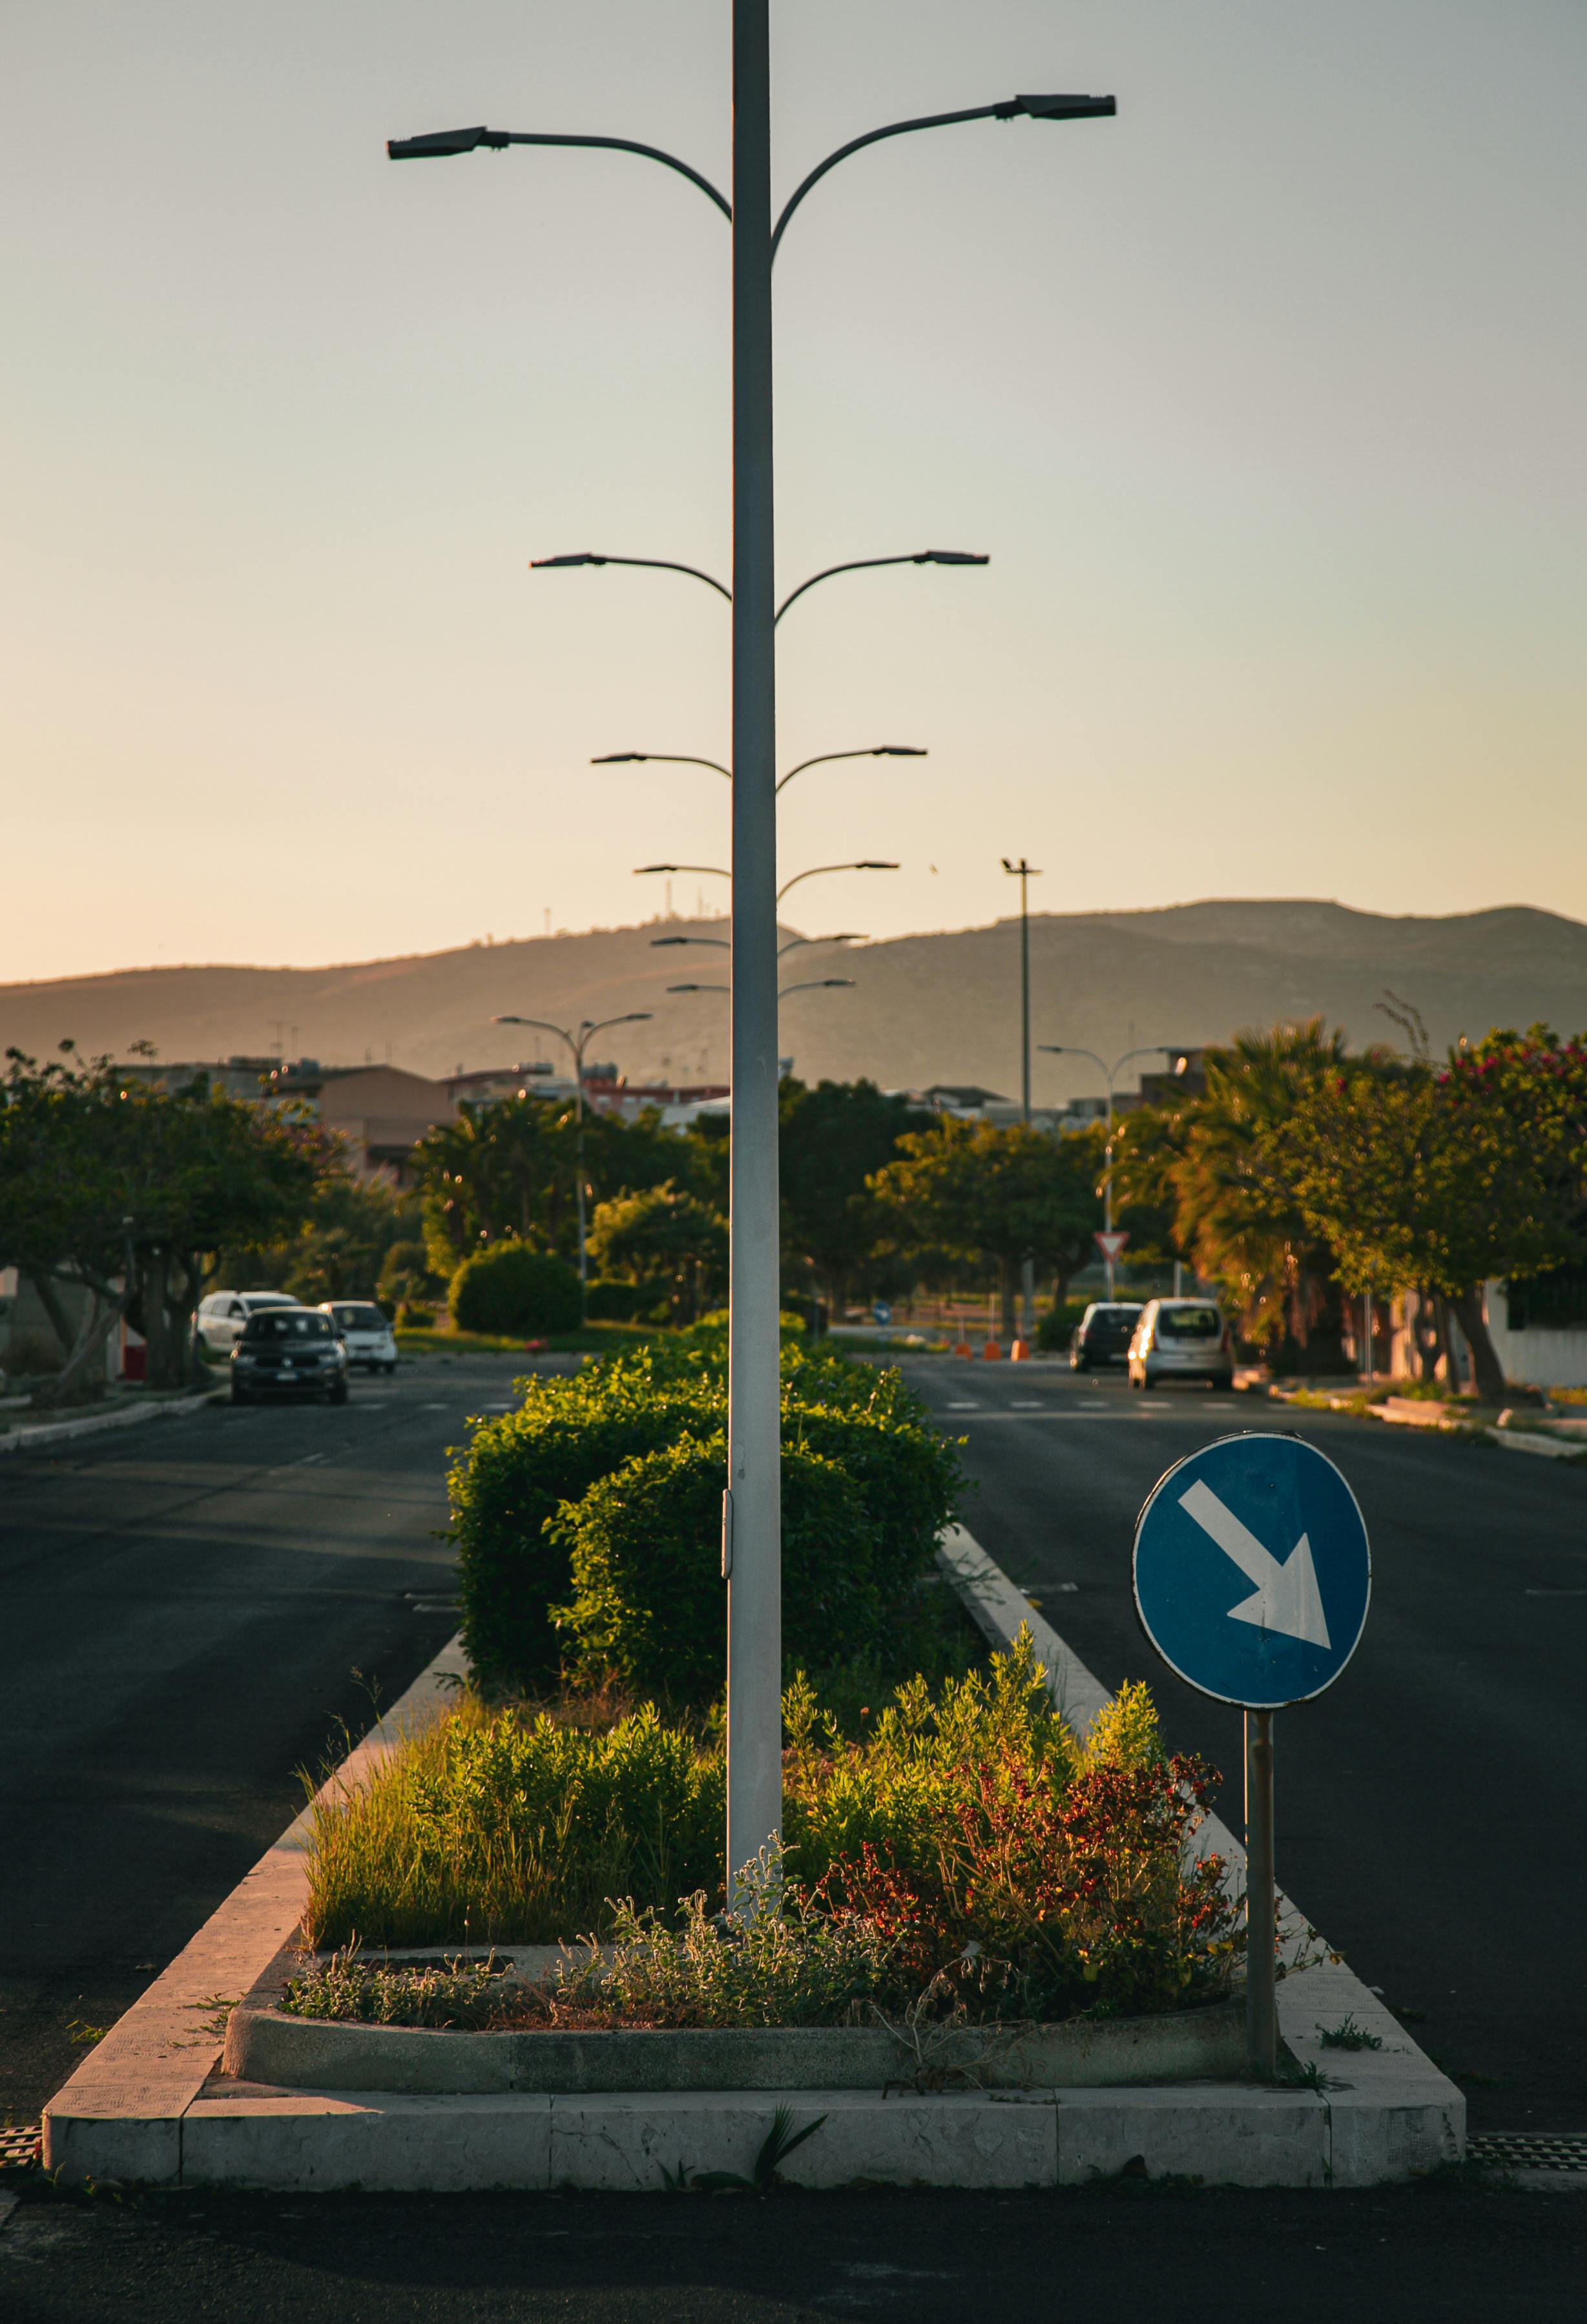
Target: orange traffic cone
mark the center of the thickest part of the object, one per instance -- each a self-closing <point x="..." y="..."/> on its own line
<point x="1019" y="1354"/>
<point x="963" y="1349"/>
<point x="993" y="1352"/>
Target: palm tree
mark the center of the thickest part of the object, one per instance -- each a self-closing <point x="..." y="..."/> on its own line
<point x="1216" y="1164"/>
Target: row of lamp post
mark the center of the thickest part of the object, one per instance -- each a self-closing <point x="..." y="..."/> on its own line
<point x="751" y="1508"/>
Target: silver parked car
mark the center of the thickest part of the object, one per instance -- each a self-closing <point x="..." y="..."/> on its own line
<point x="1181" y="1339"/>
<point x="222" y="1316"/>
<point x="363" y="1331"/>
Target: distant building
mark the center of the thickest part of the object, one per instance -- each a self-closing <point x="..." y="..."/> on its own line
<point x="381" y="1112"/>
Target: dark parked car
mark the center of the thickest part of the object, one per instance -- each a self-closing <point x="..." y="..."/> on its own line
<point x="288" y="1351"/>
<point x="1104" y="1333"/>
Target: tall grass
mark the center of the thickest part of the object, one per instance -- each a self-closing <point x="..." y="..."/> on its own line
<point x="508" y="1828"/>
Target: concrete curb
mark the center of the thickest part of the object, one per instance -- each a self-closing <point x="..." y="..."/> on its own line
<point x="1389" y="2110"/>
<point x="307" y="2054"/>
<point x="67" y="1432"/>
<point x="1525" y="1440"/>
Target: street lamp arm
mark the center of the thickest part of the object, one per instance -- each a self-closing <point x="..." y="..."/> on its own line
<point x="816" y="870"/>
<point x="826" y="757"/>
<point x="651" y="564"/>
<point x="541" y="1025"/>
<point x="466" y="141"/>
<point x="841" y="935"/>
<point x="714" y="870"/>
<point x="662" y="757"/>
<point x="1047" y="108"/>
<point x="815" y="984"/>
<point x="1066" y="1049"/>
<point x="658" y="943"/>
<point x="630" y="1016"/>
<point x="864" y="565"/>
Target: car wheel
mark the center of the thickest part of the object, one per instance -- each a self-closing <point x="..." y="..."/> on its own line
<point x="390" y="1370"/>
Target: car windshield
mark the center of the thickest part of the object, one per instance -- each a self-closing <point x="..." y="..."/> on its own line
<point x="365" y="1318"/>
<point x="1189" y="1323"/>
<point x="288" y="1324"/>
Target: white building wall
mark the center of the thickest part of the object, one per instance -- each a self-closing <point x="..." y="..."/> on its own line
<point x="1540" y="1356"/>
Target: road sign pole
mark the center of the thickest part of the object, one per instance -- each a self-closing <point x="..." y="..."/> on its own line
<point x="1261" y="2002"/>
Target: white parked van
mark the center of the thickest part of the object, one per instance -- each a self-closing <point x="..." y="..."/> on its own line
<point x="363" y="1331"/>
<point x="1181" y="1339"/>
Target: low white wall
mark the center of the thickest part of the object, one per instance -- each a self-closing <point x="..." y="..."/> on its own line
<point x="1540" y="1356"/>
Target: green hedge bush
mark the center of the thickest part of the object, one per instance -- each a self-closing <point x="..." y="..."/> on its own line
<point x="510" y="1288"/>
<point x="551" y="1503"/>
<point x="644" y="1549"/>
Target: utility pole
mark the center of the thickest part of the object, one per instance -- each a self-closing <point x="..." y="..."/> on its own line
<point x="1024" y="873"/>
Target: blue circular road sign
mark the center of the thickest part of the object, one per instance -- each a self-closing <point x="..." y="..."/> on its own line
<point x="1252" y="1571"/>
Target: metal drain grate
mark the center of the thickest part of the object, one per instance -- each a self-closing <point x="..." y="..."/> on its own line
<point x="19" y="2146"/>
<point x="1531" y="2150"/>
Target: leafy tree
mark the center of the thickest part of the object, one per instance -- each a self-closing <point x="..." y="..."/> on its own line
<point x="1439" y="1177"/>
<point x="668" y="1242"/>
<point x="1219" y="1167"/>
<point x="110" y="1185"/>
<point x="343" y="1249"/>
<point x="509" y="1169"/>
<point x="973" y="1189"/>
<point x="833" y="1140"/>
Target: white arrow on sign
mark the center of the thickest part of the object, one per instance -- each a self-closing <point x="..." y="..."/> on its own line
<point x="1286" y="1598"/>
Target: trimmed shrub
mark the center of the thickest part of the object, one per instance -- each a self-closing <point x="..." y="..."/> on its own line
<point x="645" y="1547"/>
<point x="515" y="1474"/>
<point x="573" y="1435"/>
<point x="510" y="1288"/>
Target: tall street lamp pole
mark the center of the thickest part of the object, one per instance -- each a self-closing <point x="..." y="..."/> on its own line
<point x="1108" y="1073"/>
<point x="1024" y="873"/>
<point x="578" y="1042"/>
<point x="751" y="1522"/>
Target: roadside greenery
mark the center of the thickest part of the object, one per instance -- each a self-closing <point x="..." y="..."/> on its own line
<point x="113" y="1186"/>
<point x="966" y="1855"/>
<point x="508" y="1287"/>
<point x="588" y="1522"/>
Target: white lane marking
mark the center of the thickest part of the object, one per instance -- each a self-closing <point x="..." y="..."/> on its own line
<point x="961" y="1406"/>
<point x="1027" y="1403"/>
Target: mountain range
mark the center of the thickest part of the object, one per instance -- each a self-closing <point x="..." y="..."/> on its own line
<point x="923" y="1008"/>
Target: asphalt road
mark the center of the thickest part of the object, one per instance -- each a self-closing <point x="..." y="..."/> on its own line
<point x="1429" y="1808"/>
<point x="1451" y="2251"/>
<point x="193" y="1611"/>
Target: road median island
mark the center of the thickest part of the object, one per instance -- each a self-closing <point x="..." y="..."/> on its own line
<point x="303" y="2103"/>
<point x="39" y="1437"/>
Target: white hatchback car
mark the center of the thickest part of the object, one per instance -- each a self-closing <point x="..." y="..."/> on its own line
<point x="1181" y="1339"/>
<point x="223" y="1314"/>
<point x="363" y="1331"/>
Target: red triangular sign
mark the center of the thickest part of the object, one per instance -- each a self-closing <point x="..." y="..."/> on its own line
<point x="1111" y="1240"/>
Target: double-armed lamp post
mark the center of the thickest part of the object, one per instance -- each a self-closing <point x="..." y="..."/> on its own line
<point x="578" y="1042"/>
<point x="751" y="1513"/>
<point x="1109" y="1075"/>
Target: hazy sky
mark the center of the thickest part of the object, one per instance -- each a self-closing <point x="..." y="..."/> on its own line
<point x="1266" y="399"/>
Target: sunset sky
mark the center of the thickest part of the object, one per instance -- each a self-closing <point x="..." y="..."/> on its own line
<point x="1266" y="399"/>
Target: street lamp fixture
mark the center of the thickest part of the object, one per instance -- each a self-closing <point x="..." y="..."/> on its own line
<point x="578" y="1042"/>
<point x="722" y="944"/>
<point x="855" y="565"/>
<point x="1109" y="1074"/>
<point x="677" y="759"/>
<point x="719" y="871"/>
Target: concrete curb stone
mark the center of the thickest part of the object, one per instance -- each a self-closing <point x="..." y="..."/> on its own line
<point x="68" y="1432"/>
